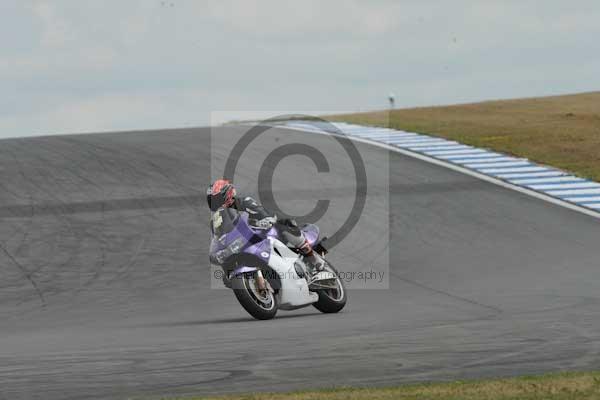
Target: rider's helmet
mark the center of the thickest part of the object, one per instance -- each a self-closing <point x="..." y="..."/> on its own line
<point x="221" y="193"/>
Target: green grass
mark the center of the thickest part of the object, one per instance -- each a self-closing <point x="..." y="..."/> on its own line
<point x="563" y="131"/>
<point x="560" y="386"/>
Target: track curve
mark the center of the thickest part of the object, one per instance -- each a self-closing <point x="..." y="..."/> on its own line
<point x="104" y="291"/>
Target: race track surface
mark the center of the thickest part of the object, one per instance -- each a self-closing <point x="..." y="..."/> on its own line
<point x="104" y="289"/>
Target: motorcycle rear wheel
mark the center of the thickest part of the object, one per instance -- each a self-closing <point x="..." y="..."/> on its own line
<point x="332" y="300"/>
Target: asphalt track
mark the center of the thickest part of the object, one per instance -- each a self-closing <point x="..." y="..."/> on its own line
<point x="104" y="291"/>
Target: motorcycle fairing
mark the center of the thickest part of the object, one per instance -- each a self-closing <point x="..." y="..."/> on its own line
<point x="268" y="249"/>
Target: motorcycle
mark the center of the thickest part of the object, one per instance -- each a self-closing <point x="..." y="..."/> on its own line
<point x="265" y="274"/>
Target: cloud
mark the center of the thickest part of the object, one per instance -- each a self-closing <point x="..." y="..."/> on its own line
<point x="56" y="32"/>
<point x="99" y="65"/>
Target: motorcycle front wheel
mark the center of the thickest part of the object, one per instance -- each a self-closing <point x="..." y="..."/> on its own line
<point x="261" y="305"/>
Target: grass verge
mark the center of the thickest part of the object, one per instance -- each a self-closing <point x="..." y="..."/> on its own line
<point x="562" y="131"/>
<point x="559" y="386"/>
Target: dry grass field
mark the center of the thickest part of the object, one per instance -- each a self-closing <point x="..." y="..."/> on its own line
<point x="562" y="131"/>
<point x="564" y="386"/>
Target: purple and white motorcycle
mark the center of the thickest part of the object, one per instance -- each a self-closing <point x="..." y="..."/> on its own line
<point x="265" y="274"/>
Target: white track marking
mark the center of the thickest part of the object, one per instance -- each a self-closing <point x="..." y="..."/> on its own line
<point x="498" y="164"/>
<point x="413" y="140"/>
<point x="572" y="192"/>
<point x="469" y="157"/>
<point x="580" y="199"/>
<point x="487" y="161"/>
<point x="470" y="150"/>
<point x="434" y="147"/>
<point x="578" y="185"/>
<point x="531" y="174"/>
<point x="390" y="138"/>
<point x="433" y="144"/>
<point x="507" y="170"/>
<point x="567" y="178"/>
<point x="387" y="135"/>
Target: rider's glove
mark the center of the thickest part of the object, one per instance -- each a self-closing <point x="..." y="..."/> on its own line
<point x="265" y="223"/>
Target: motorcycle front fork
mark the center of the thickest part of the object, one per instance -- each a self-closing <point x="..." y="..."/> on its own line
<point x="260" y="282"/>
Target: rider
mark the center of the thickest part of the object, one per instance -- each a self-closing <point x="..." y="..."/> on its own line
<point x="222" y="193"/>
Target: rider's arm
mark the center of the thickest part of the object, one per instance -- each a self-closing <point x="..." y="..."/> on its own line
<point x="257" y="214"/>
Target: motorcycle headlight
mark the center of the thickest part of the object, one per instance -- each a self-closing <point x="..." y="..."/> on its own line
<point x="237" y="245"/>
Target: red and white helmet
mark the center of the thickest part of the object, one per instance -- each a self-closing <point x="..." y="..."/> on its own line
<point x="220" y="194"/>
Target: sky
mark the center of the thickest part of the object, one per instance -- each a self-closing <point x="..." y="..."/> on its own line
<point x="71" y="66"/>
